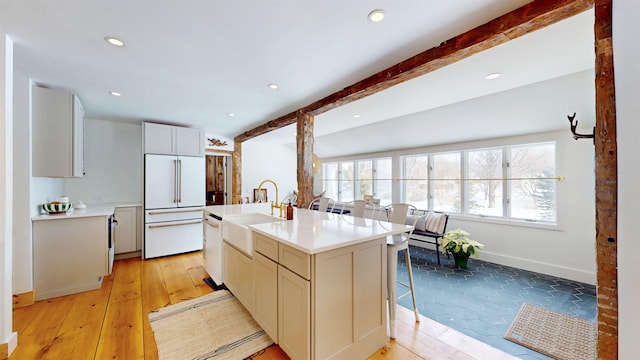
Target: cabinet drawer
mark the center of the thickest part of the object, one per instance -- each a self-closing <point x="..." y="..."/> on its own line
<point x="265" y="246"/>
<point x="295" y="260"/>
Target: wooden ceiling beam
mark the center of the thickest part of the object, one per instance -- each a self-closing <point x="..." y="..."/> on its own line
<point x="526" y="19"/>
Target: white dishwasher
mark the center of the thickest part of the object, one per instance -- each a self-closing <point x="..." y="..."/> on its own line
<point x="213" y="247"/>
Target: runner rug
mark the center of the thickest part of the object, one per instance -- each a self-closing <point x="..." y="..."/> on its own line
<point x="214" y="326"/>
<point x="557" y="335"/>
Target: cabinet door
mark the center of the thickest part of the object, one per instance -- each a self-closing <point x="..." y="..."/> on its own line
<point x="52" y="132"/>
<point x="191" y="181"/>
<point x="265" y="280"/>
<point x="126" y="235"/>
<point x="160" y="182"/>
<point x="230" y="266"/>
<point x="190" y="142"/>
<point x="159" y="139"/>
<point x="294" y="314"/>
<point x="245" y="292"/>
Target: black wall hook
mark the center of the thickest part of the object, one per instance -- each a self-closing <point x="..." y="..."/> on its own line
<point x="577" y="136"/>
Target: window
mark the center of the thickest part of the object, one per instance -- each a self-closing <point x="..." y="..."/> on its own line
<point x="507" y="182"/>
<point x="351" y="180"/>
<point x="533" y="182"/>
<point x="446" y="182"/>
<point x="416" y="183"/>
<point x="484" y="182"/>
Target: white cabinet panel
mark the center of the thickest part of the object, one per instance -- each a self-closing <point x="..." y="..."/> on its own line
<point x="238" y="275"/>
<point x="265" y="280"/>
<point x="294" y="314"/>
<point x="70" y="255"/>
<point x="173" y="140"/>
<point x="190" y="142"/>
<point x="159" y="139"/>
<point x="57" y="118"/>
<point x="126" y="236"/>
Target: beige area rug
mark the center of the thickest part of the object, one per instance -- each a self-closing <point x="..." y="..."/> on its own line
<point x="213" y="326"/>
<point x="557" y="335"/>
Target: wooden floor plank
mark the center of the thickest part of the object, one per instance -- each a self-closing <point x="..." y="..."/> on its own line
<point x="121" y="334"/>
<point x="177" y="280"/>
<point x="52" y="327"/>
<point x="48" y="315"/>
<point x="78" y="338"/>
<point x="154" y="296"/>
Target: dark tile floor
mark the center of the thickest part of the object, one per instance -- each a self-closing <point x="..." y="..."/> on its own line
<point x="482" y="300"/>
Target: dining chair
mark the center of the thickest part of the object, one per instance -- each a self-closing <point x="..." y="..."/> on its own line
<point x="322" y="204"/>
<point x="397" y="213"/>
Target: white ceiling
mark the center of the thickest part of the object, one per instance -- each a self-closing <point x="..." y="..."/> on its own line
<point x="191" y="62"/>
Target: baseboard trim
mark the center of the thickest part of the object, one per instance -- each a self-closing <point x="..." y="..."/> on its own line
<point x="24" y="299"/>
<point x="7" y="348"/>
<point x="128" y="255"/>
<point x="530" y="265"/>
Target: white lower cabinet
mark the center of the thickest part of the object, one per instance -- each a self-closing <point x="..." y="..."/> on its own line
<point x="128" y="232"/>
<point x="265" y="277"/>
<point x="70" y="255"/>
<point x="294" y="314"/>
<point x="330" y="305"/>
<point x="238" y="275"/>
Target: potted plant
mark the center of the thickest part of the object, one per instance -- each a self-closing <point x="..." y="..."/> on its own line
<point x="458" y="243"/>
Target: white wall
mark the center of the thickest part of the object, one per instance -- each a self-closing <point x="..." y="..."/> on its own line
<point x="113" y="164"/>
<point x="7" y="336"/>
<point x="627" y="57"/>
<point x="262" y="161"/>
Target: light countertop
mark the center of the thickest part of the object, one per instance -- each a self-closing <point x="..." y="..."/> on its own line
<point x="314" y="231"/>
<point x="91" y="210"/>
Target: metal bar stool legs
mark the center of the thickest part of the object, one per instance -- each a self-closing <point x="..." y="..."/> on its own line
<point x="392" y="280"/>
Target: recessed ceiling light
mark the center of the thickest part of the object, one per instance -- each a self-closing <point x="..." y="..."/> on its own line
<point x="356" y="116"/>
<point x="273" y="86"/>
<point x="376" y="15"/>
<point x="113" y="41"/>
<point x="231" y="114"/>
<point x="493" y="76"/>
<point x="115" y="93"/>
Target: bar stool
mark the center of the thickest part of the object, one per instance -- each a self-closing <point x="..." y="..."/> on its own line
<point x="397" y="213"/>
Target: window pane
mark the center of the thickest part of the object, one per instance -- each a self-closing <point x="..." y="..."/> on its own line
<point x="382" y="183"/>
<point x="533" y="191"/>
<point x="416" y="185"/>
<point x="484" y="184"/>
<point x="364" y="179"/>
<point x="330" y="173"/>
<point x="446" y="182"/>
<point x="346" y="181"/>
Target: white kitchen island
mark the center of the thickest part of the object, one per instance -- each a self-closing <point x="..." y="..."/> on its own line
<point x="316" y="284"/>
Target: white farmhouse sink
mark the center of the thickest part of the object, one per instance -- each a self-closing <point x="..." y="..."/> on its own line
<point x="236" y="232"/>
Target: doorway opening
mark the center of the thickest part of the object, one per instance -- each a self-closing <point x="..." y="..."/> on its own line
<point x="218" y="179"/>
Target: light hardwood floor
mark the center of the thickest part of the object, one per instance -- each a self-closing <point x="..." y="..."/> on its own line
<point x="111" y="322"/>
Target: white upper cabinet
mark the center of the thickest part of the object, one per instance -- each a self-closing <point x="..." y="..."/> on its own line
<point x="58" y="119"/>
<point x="173" y="140"/>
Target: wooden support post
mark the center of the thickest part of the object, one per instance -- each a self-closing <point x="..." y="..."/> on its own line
<point x="304" y="144"/>
<point x="606" y="163"/>
<point x="236" y="173"/>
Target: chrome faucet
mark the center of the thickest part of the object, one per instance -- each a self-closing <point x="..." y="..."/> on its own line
<point x="273" y="205"/>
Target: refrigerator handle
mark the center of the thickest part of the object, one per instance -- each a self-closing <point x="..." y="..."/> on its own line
<point x="180" y="181"/>
<point x="175" y="180"/>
